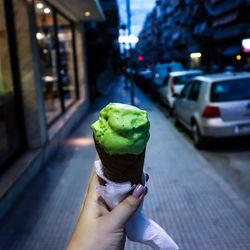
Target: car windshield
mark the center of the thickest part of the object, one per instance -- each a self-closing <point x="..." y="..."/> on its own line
<point x="182" y="80"/>
<point x="232" y="90"/>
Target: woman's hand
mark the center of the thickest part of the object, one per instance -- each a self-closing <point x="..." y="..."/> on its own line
<point x="98" y="228"/>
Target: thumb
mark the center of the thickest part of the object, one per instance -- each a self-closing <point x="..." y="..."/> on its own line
<point x="121" y="213"/>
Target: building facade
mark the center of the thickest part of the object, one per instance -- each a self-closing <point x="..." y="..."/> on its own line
<point x="211" y="29"/>
<point x="43" y="84"/>
<point x="149" y="45"/>
<point x="230" y="25"/>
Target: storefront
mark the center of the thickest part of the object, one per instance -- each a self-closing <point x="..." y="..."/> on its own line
<point x="12" y="134"/>
<point x="56" y="42"/>
<point x="43" y="83"/>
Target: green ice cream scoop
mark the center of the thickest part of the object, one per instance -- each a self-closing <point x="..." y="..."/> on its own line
<point x="122" y="129"/>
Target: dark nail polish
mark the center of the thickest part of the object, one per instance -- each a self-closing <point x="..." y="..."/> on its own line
<point x="138" y="191"/>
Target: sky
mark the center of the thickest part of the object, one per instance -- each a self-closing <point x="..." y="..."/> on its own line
<point x="139" y="10"/>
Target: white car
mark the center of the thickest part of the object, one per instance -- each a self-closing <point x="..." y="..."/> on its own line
<point x="161" y="71"/>
<point x="216" y="105"/>
<point x="174" y="85"/>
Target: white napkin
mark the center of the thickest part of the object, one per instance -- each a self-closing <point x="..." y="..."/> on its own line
<point x="139" y="228"/>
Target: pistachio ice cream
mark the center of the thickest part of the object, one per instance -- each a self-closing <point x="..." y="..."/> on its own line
<point x="121" y="134"/>
<point x="122" y="129"/>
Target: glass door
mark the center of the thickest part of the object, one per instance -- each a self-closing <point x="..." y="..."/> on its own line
<point x="10" y="142"/>
<point x="46" y="38"/>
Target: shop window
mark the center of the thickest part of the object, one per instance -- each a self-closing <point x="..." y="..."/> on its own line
<point x="55" y="42"/>
<point x="66" y="55"/>
<point x="47" y="48"/>
<point x="10" y="142"/>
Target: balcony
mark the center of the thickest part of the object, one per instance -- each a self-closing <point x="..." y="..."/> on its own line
<point x="226" y="19"/>
<point x="240" y="30"/>
<point x="179" y="39"/>
<point x="232" y="50"/>
<point x="202" y="30"/>
<point x="216" y="1"/>
<point x="166" y="34"/>
<point x="226" y="6"/>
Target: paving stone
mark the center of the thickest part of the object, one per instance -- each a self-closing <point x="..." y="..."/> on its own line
<point x="183" y="198"/>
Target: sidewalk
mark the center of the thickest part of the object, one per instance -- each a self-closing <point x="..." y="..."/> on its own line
<point x="185" y="196"/>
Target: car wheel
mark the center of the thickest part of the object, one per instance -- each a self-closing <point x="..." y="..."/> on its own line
<point x="171" y="111"/>
<point x="199" y="140"/>
<point x="175" y="118"/>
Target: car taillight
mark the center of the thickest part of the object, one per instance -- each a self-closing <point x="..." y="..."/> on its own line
<point x="211" y="112"/>
<point x="172" y="85"/>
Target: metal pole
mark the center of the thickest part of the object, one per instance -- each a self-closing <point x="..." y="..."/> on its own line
<point x="132" y="90"/>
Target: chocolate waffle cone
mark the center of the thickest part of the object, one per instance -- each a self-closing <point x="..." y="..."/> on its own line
<point x="121" y="167"/>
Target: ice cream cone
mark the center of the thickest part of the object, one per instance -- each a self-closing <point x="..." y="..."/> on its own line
<point x="121" y="134"/>
<point x="121" y="167"/>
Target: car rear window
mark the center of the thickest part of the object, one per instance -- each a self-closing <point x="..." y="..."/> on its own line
<point x="233" y="90"/>
<point x="182" y="80"/>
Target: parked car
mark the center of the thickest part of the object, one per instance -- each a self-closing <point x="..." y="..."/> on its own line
<point x="174" y="84"/>
<point x="143" y="79"/>
<point x="216" y="105"/>
<point x="230" y="68"/>
<point x="161" y="72"/>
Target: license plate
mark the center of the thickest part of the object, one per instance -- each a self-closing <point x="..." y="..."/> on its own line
<point x="243" y="128"/>
<point x="247" y="114"/>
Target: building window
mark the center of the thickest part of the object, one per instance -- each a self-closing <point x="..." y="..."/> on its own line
<point x="66" y="55"/>
<point x="47" y="49"/>
<point x="10" y="142"/>
<point x="55" y="42"/>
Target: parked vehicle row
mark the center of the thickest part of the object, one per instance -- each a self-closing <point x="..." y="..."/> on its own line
<point x="215" y="106"/>
<point x="152" y="80"/>
<point x="162" y="71"/>
<point x="210" y="106"/>
<point x="161" y="75"/>
<point x="143" y="78"/>
<point x="174" y="84"/>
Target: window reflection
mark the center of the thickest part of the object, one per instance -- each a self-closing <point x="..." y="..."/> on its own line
<point x="9" y="131"/>
<point x="47" y="49"/>
<point x="65" y="39"/>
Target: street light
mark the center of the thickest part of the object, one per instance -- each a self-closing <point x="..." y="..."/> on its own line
<point x="195" y="55"/>
<point x="123" y="27"/>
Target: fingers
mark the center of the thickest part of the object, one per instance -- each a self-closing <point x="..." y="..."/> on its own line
<point x="90" y="204"/>
<point x="94" y="181"/>
<point x="120" y="214"/>
<point x="145" y="178"/>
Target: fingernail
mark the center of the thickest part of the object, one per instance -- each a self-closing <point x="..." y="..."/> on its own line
<point x="138" y="191"/>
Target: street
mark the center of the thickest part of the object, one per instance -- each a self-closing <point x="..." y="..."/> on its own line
<point x="233" y="164"/>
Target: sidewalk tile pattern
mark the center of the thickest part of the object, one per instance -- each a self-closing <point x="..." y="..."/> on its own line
<point x="182" y="197"/>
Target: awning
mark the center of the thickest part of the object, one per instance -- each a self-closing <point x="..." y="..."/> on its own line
<point x="75" y="9"/>
<point x="225" y="19"/>
<point x="232" y="50"/>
